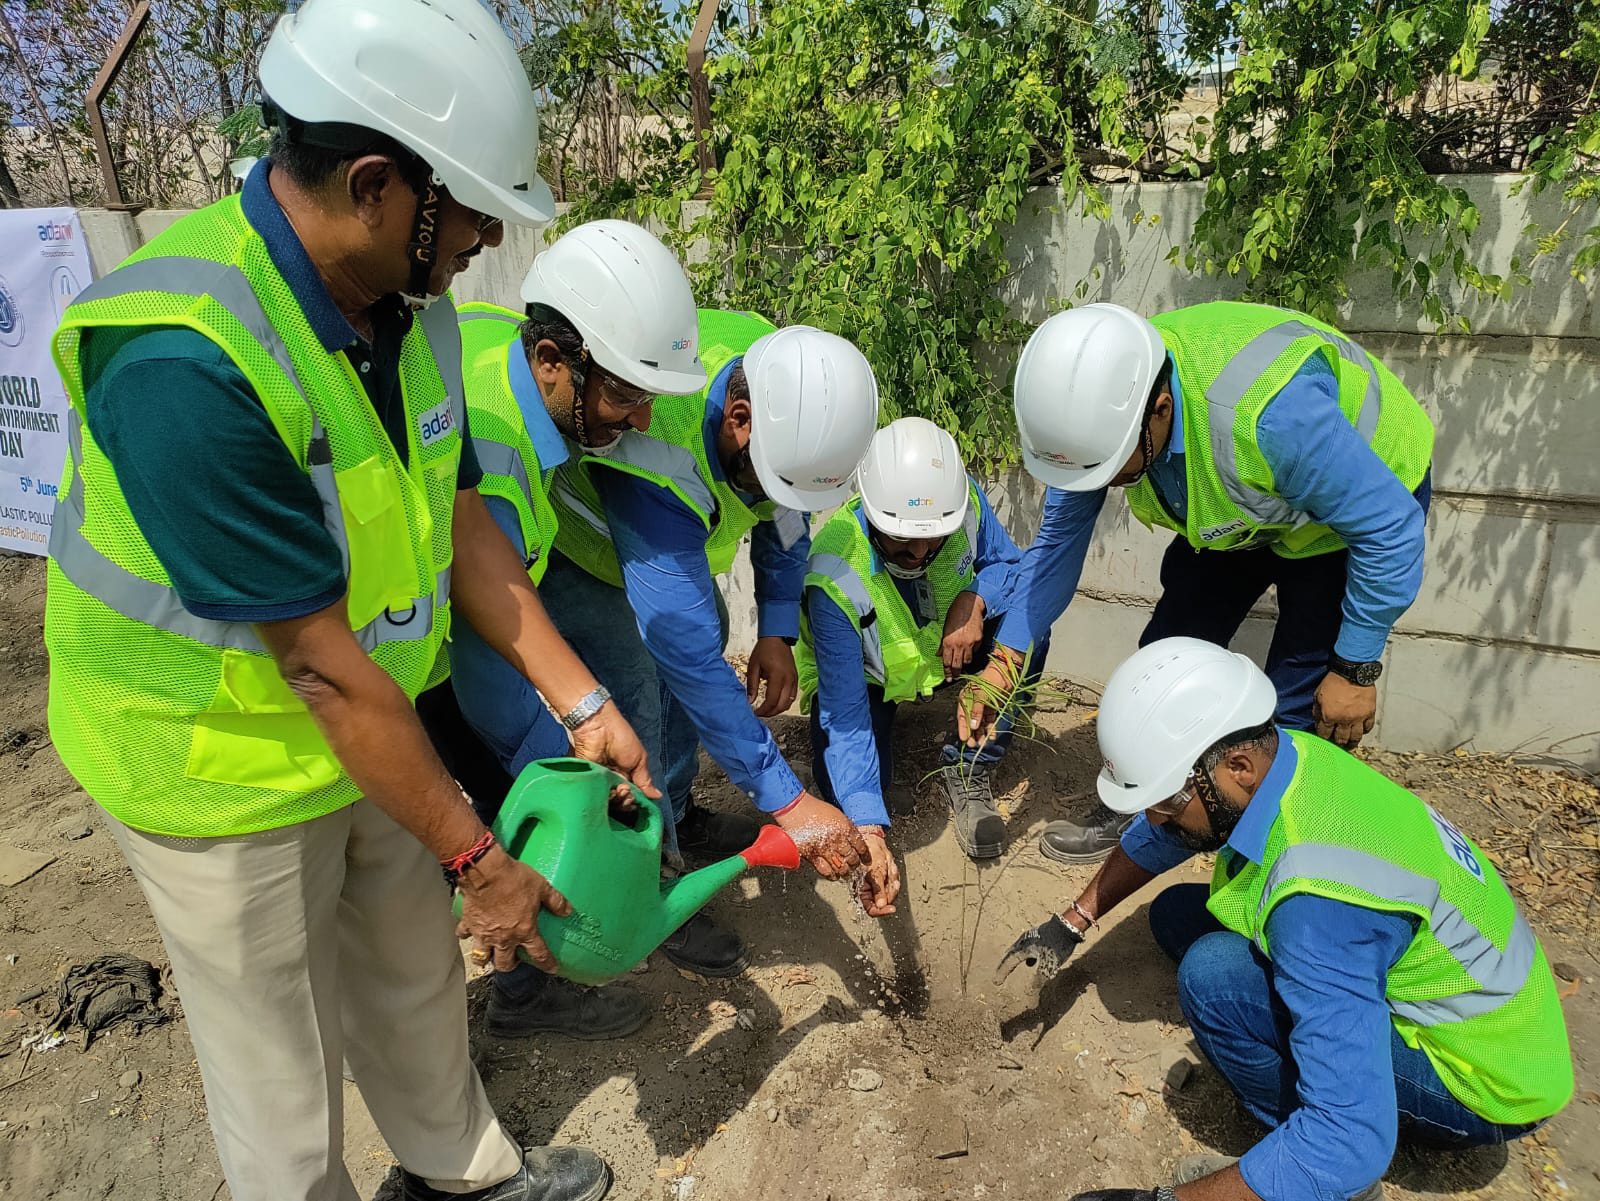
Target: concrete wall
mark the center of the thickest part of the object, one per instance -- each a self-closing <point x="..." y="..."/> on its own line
<point x="1501" y="652"/>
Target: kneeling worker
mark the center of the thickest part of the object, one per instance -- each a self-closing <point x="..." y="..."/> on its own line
<point x="1356" y="967"/>
<point x="905" y="587"/>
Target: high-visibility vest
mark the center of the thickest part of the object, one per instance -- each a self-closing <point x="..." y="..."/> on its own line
<point x="1231" y="359"/>
<point x="900" y="656"/>
<point x="511" y="467"/>
<point x="670" y="454"/>
<point x="1473" y="989"/>
<point x="181" y="725"/>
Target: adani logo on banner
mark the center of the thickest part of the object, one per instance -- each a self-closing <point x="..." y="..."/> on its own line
<point x="54" y="231"/>
<point x="11" y="329"/>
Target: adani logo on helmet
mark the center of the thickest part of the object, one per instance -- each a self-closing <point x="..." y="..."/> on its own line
<point x="11" y="329"/>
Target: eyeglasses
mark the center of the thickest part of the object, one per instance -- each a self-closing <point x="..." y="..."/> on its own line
<point x="482" y="222"/>
<point x="621" y="393"/>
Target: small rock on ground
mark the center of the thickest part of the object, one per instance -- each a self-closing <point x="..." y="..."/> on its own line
<point x="865" y="1080"/>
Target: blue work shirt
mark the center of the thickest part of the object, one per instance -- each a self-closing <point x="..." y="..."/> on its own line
<point x="1319" y="464"/>
<point x="499" y="703"/>
<point x="843" y="705"/>
<point x="1330" y="968"/>
<point x="661" y="545"/>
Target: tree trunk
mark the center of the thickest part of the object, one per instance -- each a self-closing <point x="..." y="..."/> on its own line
<point x="9" y="197"/>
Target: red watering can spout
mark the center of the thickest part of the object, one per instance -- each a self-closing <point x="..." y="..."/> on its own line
<point x="773" y="848"/>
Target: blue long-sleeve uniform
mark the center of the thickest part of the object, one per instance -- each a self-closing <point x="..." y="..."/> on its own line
<point x="1319" y="464"/>
<point x="1330" y="966"/>
<point x="843" y="703"/>
<point x="496" y="699"/>
<point x="661" y="545"/>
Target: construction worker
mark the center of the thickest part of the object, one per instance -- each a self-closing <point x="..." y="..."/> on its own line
<point x="1355" y="967"/>
<point x="269" y="513"/>
<point x="536" y="386"/>
<point x="1244" y="428"/>
<point x="646" y="523"/>
<point x="905" y="586"/>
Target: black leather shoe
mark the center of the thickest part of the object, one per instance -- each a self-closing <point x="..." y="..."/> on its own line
<point x="1068" y="842"/>
<point x="703" y="834"/>
<point x="980" y="830"/>
<point x="561" y="1007"/>
<point x="700" y="945"/>
<point x="547" y="1174"/>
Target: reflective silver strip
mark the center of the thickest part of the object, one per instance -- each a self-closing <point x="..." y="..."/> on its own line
<point x="662" y="459"/>
<point x="969" y="526"/>
<point x="833" y="568"/>
<point x="479" y="315"/>
<point x="562" y="491"/>
<point x="1499" y="974"/>
<point x="496" y="458"/>
<point x="159" y="606"/>
<point x="1241" y="374"/>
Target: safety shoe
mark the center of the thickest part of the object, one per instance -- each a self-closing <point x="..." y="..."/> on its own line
<point x="980" y="830"/>
<point x="1068" y="842"/>
<point x="558" y="1006"/>
<point x="702" y="946"/>
<point x="1195" y="1167"/>
<point x="704" y="834"/>
<point x="547" y="1174"/>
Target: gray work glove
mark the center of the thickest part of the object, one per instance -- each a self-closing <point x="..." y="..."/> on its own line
<point x="1046" y="948"/>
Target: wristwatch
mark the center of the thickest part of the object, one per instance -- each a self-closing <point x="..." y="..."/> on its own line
<point x="586" y="708"/>
<point x="1363" y="674"/>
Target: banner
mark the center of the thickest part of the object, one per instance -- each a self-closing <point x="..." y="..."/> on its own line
<point x="44" y="263"/>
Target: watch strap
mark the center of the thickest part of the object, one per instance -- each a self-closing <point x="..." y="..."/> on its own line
<point x="1363" y="674"/>
<point x="587" y="707"/>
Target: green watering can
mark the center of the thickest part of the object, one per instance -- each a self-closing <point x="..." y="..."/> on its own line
<point x="557" y="820"/>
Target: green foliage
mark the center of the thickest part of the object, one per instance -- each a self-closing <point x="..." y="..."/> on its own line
<point x="1568" y="159"/>
<point x="1317" y="151"/>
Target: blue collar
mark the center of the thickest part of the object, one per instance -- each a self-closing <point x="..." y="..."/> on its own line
<point x="266" y="217"/>
<point x="549" y="447"/>
<point x="1175" y="443"/>
<point x="1249" y="837"/>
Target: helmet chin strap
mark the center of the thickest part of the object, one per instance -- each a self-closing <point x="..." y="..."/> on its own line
<point x="904" y="573"/>
<point x="423" y="249"/>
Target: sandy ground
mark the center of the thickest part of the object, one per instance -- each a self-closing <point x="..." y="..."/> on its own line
<point x="855" y="1061"/>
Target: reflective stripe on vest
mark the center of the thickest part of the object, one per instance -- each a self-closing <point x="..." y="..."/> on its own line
<point x="158" y="605"/>
<point x="669" y="462"/>
<point x="855" y="588"/>
<point x="1234" y="382"/>
<point x="1500" y="974"/>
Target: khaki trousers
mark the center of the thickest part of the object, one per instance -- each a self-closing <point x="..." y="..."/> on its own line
<point x="297" y="948"/>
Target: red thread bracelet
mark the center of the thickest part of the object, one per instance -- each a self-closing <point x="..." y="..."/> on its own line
<point x="454" y="866"/>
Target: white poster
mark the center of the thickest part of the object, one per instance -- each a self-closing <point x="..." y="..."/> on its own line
<point x="44" y="263"/>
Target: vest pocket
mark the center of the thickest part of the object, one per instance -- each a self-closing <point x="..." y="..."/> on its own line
<point x="257" y="733"/>
<point x="383" y="559"/>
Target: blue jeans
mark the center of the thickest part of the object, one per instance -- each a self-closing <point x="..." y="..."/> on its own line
<point x="1226" y="990"/>
<point x="599" y="623"/>
<point x="1208" y="594"/>
<point x="980" y="758"/>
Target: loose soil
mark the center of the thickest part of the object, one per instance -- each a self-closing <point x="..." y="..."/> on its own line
<point x="856" y="1060"/>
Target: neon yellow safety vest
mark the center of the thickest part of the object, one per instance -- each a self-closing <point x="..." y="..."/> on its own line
<point x="180" y="725"/>
<point x="1231" y="359"/>
<point x="901" y="656"/>
<point x="511" y="467"/>
<point x="671" y="455"/>
<point x="1473" y="990"/>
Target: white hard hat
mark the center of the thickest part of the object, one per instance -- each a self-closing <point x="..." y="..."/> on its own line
<point x="1163" y="706"/>
<point x="813" y="407"/>
<point x="1080" y="393"/>
<point x="438" y="76"/>
<point x="912" y="481"/>
<point x="626" y="293"/>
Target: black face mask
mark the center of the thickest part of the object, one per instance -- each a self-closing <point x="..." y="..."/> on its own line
<point x="1222" y="817"/>
<point x="742" y="475"/>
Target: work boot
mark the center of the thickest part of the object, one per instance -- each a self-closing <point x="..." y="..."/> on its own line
<point x="557" y="1006"/>
<point x="703" y="834"/>
<point x="1195" y="1167"/>
<point x="1068" y="842"/>
<point x="702" y="946"/>
<point x="980" y="831"/>
<point x="547" y="1174"/>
